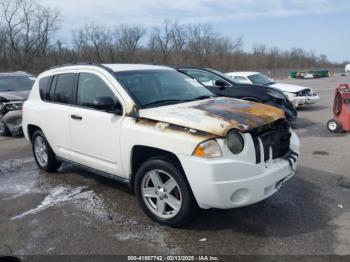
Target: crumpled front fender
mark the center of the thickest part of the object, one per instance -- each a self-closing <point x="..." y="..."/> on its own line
<point x="13" y="120"/>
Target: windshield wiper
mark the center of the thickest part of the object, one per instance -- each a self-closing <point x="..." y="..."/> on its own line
<point x="199" y="98"/>
<point x="164" y="102"/>
<point x="176" y="101"/>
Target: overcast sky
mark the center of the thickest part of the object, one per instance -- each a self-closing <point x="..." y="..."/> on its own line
<point x="319" y="25"/>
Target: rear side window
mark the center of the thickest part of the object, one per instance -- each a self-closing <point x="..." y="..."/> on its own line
<point x="44" y="87"/>
<point x="65" y="88"/>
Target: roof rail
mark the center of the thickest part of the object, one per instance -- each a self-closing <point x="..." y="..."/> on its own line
<point x="72" y="64"/>
<point x="84" y="63"/>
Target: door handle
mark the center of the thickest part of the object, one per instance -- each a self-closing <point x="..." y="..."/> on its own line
<point x="76" y="117"/>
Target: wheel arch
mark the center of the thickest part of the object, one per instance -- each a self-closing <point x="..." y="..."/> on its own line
<point x="140" y="154"/>
<point x="31" y="130"/>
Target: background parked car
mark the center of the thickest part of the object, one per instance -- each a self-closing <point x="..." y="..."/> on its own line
<point x="347" y="68"/>
<point x="223" y="85"/>
<point x="14" y="90"/>
<point x="297" y="95"/>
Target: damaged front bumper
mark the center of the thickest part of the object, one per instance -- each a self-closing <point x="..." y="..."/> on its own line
<point x="231" y="182"/>
<point x="304" y="100"/>
<point x="13" y="121"/>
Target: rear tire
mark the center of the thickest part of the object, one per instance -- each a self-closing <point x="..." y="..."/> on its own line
<point x="168" y="205"/>
<point x="43" y="154"/>
<point x="334" y="126"/>
<point x="4" y="130"/>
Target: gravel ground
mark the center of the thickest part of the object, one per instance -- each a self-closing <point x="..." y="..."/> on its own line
<point x="75" y="212"/>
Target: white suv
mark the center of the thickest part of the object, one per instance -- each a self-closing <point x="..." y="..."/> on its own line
<point x="163" y="133"/>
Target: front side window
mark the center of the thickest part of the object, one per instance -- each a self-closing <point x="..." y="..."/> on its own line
<point x="260" y="79"/>
<point x="15" y="83"/>
<point x="158" y="87"/>
<point x="91" y="87"/>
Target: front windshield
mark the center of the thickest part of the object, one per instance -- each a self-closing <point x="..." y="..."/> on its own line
<point x="160" y="87"/>
<point x="15" y="83"/>
<point x="260" y="79"/>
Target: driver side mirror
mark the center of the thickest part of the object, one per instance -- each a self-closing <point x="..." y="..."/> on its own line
<point x="107" y="104"/>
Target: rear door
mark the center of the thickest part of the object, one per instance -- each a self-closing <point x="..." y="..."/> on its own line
<point x="95" y="133"/>
<point x="55" y="114"/>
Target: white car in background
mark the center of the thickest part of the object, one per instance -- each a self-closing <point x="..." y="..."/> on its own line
<point x="347" y="68"/>
<point x="297" y="95"/>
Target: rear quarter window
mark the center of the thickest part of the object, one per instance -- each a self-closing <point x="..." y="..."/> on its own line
<point x="44" y="87"/>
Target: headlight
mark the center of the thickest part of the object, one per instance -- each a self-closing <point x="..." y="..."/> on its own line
<point x="208" y="149"/>
<point x="288" y="94"/>
<point x="235" y="142"/>
<point x="276" y="94"/>
<point x="12" y="106"/>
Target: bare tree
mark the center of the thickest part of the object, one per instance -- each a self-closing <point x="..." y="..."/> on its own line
<point x="160" y="41"/>
<point x="179" y="40"/>
<point x="27" y="42"/>
<point x="127" y="40"/>
<point x="29" y="28"/>
<point x="94" y="43"/>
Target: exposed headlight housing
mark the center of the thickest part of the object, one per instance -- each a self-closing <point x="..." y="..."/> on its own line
<point x="208" y="149"/>
<point x="235" y="142"/>
<point x="13" y="106"/>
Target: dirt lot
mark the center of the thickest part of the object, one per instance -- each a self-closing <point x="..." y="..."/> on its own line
<point x="76" y="212"/>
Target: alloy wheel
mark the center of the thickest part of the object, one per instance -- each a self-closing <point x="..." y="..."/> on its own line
<point x="40" y="150"/>
<point x="161" y="194"/>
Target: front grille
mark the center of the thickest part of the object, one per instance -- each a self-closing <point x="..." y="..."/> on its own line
<point x="271" y="141"/>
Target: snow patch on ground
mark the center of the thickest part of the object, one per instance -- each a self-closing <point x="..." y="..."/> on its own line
<point x="13" y="165"/>
<point x="80" y="197"/>
<point x="56" y="196"/>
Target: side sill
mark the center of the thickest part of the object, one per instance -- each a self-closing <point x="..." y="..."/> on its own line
<point x="98" y="172"/>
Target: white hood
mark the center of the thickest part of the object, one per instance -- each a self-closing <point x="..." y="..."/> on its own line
<point x="288" y="88"/>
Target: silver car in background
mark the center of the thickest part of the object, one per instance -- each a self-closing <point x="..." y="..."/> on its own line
<point x="14" y="90"/>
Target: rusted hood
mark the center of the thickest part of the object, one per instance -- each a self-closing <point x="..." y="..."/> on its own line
<point x="216" y="115"/>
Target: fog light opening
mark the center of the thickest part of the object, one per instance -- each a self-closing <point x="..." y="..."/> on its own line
<point x="240" y="196"/>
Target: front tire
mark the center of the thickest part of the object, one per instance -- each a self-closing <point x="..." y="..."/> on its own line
<point x="163" y="192"/>
<point x="43" y="154"/>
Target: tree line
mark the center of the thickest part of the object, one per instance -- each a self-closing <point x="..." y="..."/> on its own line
<point x="28" y="42"/>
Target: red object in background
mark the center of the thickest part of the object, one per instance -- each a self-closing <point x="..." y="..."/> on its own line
<point x="341" y="110"/>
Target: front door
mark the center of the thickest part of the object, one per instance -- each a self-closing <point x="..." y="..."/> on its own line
<point x="95" y="133"/>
